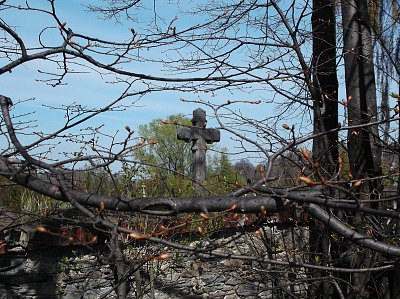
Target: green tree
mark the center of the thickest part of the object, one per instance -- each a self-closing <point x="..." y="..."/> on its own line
<point x="166" y="160"/>
<point x="221" y="174"/>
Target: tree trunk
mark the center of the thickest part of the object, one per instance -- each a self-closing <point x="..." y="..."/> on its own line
<point x="394" y="281"/>
<point x="120" y="270"/>
<point x="325" y="148"/>
<point x="325" y="83"/>
<point x="362" y="144"/>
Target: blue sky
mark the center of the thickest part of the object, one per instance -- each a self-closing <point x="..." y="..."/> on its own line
<point x="92" y="90"/>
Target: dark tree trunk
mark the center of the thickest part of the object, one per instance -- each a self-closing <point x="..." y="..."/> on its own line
<point x="363" y="144"/>
<point x="325" y="148"/>
<point x="394" y="281"/>
<point x="120" y="270"/>
<point x="325" y="83"/>
<point x="385" y="108"/>
<point x="368" y="90"/>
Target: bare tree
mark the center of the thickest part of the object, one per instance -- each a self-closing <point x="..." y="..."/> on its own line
<point x="278" y="55"/>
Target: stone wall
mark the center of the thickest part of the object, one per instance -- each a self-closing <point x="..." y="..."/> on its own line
<point x="76" y="272"/>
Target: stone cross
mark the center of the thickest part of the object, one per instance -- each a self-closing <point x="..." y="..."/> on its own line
<point x="199" y="136"/>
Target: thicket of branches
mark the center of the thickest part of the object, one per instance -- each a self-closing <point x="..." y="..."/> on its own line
<point x="291" y="59"/>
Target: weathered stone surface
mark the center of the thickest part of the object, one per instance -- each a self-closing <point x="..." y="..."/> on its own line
<point x="71" y="273"/>
<point x="193" y="133"/>
<point x="200" y="137"/>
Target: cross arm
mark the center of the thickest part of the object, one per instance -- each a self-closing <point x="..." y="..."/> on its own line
<point x="195" y="133"/>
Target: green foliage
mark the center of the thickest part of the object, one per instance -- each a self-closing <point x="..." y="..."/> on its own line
<point x="169" y="171"/>
<point x="167" y="152"/>
<point x="166" y="160"/>
<point x="18" y="198"/>
<point x="221" y="174"/>
<point x="96" y="181"/>
<point x="99" y="181"/>
<point x="164" y="170"/>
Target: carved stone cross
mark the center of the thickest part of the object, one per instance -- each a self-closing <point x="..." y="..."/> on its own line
<point x="200" y="137"/>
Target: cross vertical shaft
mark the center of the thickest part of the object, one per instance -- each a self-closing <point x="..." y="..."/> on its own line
<point x="199" y="136"/>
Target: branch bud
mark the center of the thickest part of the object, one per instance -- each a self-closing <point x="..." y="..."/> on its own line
<point x="137" y="236"/>
<point x="205" y="216"/>
<point x="305" y="152"/>
<point x="163" y="256"/>
<point x="307" y="181"/>
<point x="356" y="184"/>
<point x="61" y="27"/>
<point x="42" y="229"/>
<point x="256" y="102"/>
